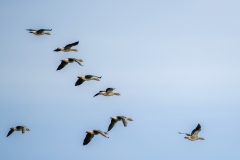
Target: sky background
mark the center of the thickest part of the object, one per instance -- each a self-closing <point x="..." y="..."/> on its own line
<point x="175" y="64"/>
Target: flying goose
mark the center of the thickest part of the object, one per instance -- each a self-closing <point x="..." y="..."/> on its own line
<point x="90" y="135"/>
<point x="39" y="32"/>
<point x="118" y="118"/>
<point x="69" y="60"/>
<point x="81" y="79"/>
<point x="67" y="48"/>
<point x="18" y="128"/>
<point x="108" y="92"/>
<point x="194" y="135"/>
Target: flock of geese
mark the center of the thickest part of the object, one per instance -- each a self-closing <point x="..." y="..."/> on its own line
<point x="108" y="92"/>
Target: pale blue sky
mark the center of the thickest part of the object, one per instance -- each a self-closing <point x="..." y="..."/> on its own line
<point x="175" y="63"/>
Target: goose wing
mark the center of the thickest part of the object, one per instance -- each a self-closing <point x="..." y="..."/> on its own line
<point x="45" y="30"/>
<point x="31" y="29"/>
<point x="79" y="82"/>
<point x="23" y="129"/>
<point x="108" y="90"/>
<point x="88" y="138"/>
<point x="88" y="76"/>
<point x="78" y="63"/>
<point x="10" y="132"/>
<point x="62" y="65"/>
<point x="72" y="44"/>
<point x="196" y="131"/>
<point x="40" y="31"/>
<point x="103" y="134"/>
<point x="125" y="121"/>
<point x="112" y="124"/>
<point x="184" y="133"/>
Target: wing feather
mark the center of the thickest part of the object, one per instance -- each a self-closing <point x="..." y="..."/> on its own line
<point x="62" y="65"/>
<point x="79" y="82"/>
<point x="196" y="131"/>
<point x="88" y="76"/>
<point x="88" y="138"/>
<point x="23" y="129"/>
<point x="79" y="63"/>
<point x="72" y="44"/>
<point x="109" y="90"/>
<point x="10" y="132"/>
<point x="112" y="124"/>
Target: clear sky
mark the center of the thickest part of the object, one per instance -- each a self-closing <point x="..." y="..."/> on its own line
<point x="175" y="63"/>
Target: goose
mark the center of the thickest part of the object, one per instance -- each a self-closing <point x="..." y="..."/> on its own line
<point x="39" y="32"/>
<point x="108" y="92"/>
<point x="69" y="60"/>
<point x="90" y="135"/>
<point x="18" y="128"/>
<point x="82" y="79"/>
<point x="118" y="118"/>
<point x="67" y="48"/>
<point x="194" y="135"/>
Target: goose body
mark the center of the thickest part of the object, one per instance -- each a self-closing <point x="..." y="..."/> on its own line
<point x="115" y="119"/>
<point x="194" y="135"/>
<point x="39" y="32"/>
<point x="108" y="92"/>
<point x="64" y="62"/>
<point x="90" y="134"/>
<point x="82" y="79"/>
<point x="18" y="128"/>
<point x="67" y="48"/>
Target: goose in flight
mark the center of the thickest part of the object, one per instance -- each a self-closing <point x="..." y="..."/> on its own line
<point x="90" y="135"/>
<point x="18" y="128"/>
<point x="39" y="32"/>
<point x="108" y="92"/>
<point x="82" y="79"/>
<point x="69" y="60"/>
<point x="118" y="118"/>
<point x="67" y="48"/>
<point x="194" y="135"/>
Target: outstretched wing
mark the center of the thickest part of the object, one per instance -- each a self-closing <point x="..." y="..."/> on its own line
<point x="112" y="124"/>
<point x="88" y="76"/>
<point x="102" y="133"/>
<point x="196" y="131"/>
<point x="45" y="30"/>
<point x="31" y="29"/>
<point x="23" y="129"/>
<point x="109" y="90"/>
<point x="125" y="122"/>
<point x="79" y="63"/>
<point x="79" y="82"/>
<point x="10" y="132"/>
<point x="88" y="138"/>
<point x="184" y="133"/>
<point x="40" y="31"/>
<point x="72" y="44"/>
<point x="62" y="65"/>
